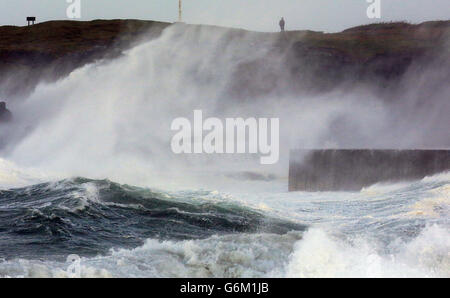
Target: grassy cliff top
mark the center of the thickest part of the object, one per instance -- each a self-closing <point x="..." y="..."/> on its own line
<point x="59" y="38"/>
<point x="51" y="50"/>
<point x="62" y="37"/>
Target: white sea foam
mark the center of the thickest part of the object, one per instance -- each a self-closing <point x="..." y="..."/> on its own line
<point x="316" y="254"/>
<point x="319" y="255"/>
<point x="12" y="175"/>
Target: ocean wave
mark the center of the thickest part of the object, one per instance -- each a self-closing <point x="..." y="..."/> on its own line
<point x="321" y="255"/>
<point x="314" y="253"/>
<point x="92" y="216"/>
<point x="127" y="231"/>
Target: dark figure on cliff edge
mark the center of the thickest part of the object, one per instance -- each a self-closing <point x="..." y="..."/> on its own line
<point x="5" y="114"/>
<point x="282" y="23"/>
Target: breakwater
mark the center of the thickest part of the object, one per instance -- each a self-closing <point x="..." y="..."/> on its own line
<point x="351" y="170"/>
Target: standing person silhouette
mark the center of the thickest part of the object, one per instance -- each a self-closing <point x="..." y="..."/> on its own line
<point x="282" y="23"/>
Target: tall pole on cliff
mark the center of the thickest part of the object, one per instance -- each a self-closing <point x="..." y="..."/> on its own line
<point x="180" y="11"/>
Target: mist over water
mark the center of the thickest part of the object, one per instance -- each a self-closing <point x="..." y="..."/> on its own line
<point x="111" y="120"/>
<point x="117" y="114"/>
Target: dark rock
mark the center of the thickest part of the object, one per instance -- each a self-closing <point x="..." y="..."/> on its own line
<point x="5" y="114"/>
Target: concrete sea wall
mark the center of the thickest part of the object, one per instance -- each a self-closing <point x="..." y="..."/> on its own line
<point x="351" y="170"/>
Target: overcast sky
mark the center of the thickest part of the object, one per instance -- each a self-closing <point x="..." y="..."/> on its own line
<point x="260" y="15"/>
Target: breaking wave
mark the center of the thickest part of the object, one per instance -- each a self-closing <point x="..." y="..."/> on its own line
<point x="121" y="230"/>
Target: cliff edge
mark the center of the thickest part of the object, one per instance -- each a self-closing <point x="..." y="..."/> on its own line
<point x="314" y="60"/>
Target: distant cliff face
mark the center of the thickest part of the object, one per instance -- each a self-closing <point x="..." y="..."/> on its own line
<point x="375" y="55"/>
<point x="51" y="50"/>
